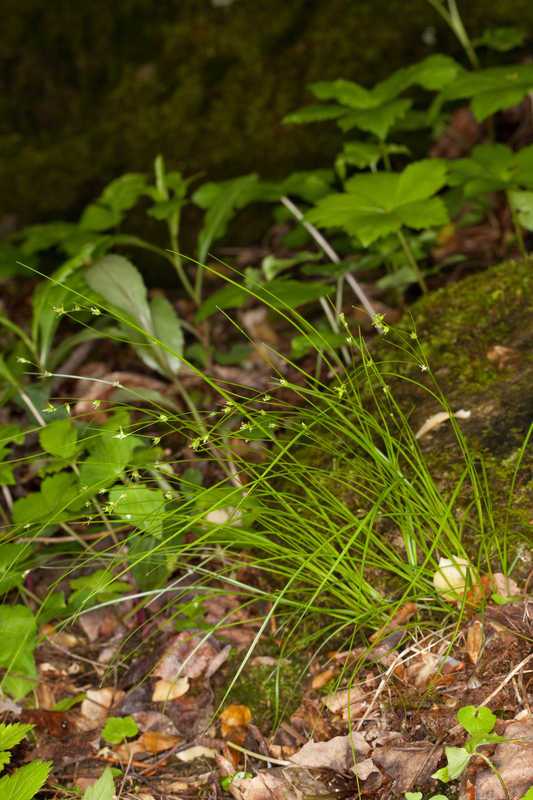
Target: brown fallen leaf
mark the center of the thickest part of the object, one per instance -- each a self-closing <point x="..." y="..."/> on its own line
<point x="189" y="655"/>
<point x="408" y="765"/>
<point x="98" y="703"/>
<point x="339" y="754"/>
<point x="148" y="742"/>
<point x="504" y="585"/>
<point x="437" y="419"/>
<point x="286" y="783"/>
<point x="475" y="638"/>
<point x="164" y="691"/>
<point x="322" y="678"/>
<point x="503" y="357"/>
<point x="197" y="751"/>
<point x="347" y="702"/>
<point x="154" y="721"/>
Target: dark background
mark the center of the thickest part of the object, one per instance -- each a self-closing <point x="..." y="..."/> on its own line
<point x="92" y="88"/>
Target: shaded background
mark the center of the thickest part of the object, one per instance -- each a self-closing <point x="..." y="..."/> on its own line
<point x="91" y="89"/>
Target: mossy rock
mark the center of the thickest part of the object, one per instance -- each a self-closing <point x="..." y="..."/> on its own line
<point x="91" y="90"/>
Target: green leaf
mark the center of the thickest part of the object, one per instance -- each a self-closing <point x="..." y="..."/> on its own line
<point x="420" y="180"/>
<point x="124" y="192"/>
<point x="108" y="457"/>
<point x="12" y="565"/>
<point x="272" y="266"/>
<point x="313" y="113"/>
<point x="522" y="203"/>
<point x="99" y="586"/>
<point x="103" y="789"/>
<point x="491" y="90"/>
<point x="378" y="120"/>
<point x="25" y="782"/>
<point x="56" y="495"/>
<point x="117" y="729"/>
<point x="142" y="507"/>
<point x="348" y="93"/>
<point x="413" y="796"/>
<point x="528" y="795"/>
<point x="378" y="204"/>
<point x="18" y="636"/>
<point x="43" y="237"/>
<point x="283" y="293"/>
<point x="317" y="341"/>
<point x="458" y="759"/>
<point x="167" y="328"/>
<point x="221" y="201"/>
<point x="365" y="154"/>
<point x="52" y="607"/>
<point x="501" y="39"/>
<point x="59" y="438"/>
<point x="100" y="217"/>
<point x="120" y="284"/>
<point x="230" y="296"/>
<point x="148" y="562"/>
<point x="12" y="734"/>
<point x="310" y="185"/>
<point x="476" y="719"/>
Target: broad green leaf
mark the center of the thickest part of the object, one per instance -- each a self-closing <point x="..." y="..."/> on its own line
<point x="377" y="204"/>
<point x="25" y="782"/>
<point x="11" y="433"/>
<point x="167" y="328"/>
<point x="99" y="217"/>
<point x="123" y="193"/>
<point x="458" y="759"/>
<point x="12" y="566"/>
<point x="108" y="458"/>
<point x="310" y="185"/>
<point x="148" y="563"/>
<point x="59" y="438"/>
<point x="140" y="506"/>
<point x="120" y="284"/>
<point x="230" y="296"/>
<point x="18" y="636"/>
<point x="491" y="90"/>
<point x="378" y="120"/>
<point x="37" y="238"/>
<point x="314" y="113"/>
<point x="56" y="495"/>
<point x="221" y="201"/>
<point x="476" y="719"/>
<point x="283" y="293"/>
<point x="99" y="586"/>
<point x="522" y="203"/>
<point x="501" y="39"/>
<point x="345" y="92"/>
<point x="52" y="607"/>
<point x="420" y="180"/>
<point x="273" y="266"/>
<point x="316" y="342"/>
<point x="12" y="734"/>
<point x="117" y="729"/>
<point x="528" y="795"/>
<point x="365" y="154"/>
<point x="103" y="789"/>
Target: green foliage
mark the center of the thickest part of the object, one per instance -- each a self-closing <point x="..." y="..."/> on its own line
<point x="501" y="39"/>
<point x="103" y="789"/>
<point x="478" y="722"/>
<point x="490" y="90"/>
<point x="18" y="633"/>
<point x="117" y="729"/>
<point x="375" y="205"/>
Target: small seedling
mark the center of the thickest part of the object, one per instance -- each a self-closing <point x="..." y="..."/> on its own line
<point x="117" y="729"/>
<point x="23" y="783"/>
<point x="479" y="722"/>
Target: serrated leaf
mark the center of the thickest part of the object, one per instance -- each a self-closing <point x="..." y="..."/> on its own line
<point x="420" y="180"/>
<point x="56" y="495"/>
<point x="103" y="789"/>
<point x="25" y="782"/>
<point x="378" y="120"/>
<point x="108" y="458"/>
<point x="141" y="506"/>
<point x="59" y="438"/>
<point x="12" y="734"/>
<point x="99" y="217"/>
<point x="120" y="283"/>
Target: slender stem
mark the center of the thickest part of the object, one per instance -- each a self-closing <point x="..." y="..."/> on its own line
<point x="412" y="261"/>
<point x="331" y="254"/>
<point x="453" y="19"/>
<point x="173" y="229"/>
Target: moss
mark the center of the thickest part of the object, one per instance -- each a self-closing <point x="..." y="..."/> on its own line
<point x="271" y="693"/>
<point x="92" y="90"/>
